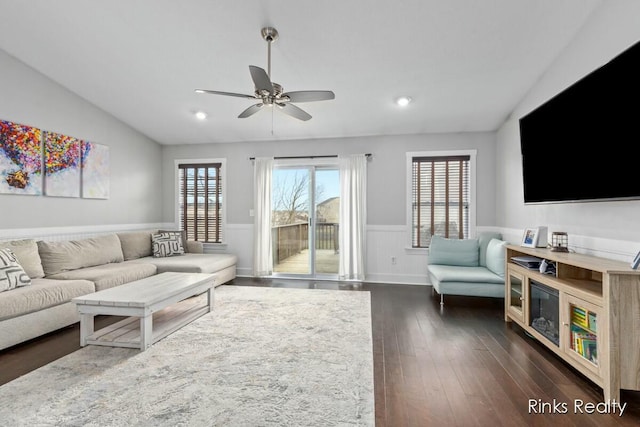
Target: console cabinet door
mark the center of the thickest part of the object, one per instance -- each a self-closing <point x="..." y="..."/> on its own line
<point x="583" y="337"/>
<point x="517" y="296"/>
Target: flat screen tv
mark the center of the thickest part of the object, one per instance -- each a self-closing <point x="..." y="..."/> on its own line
<point x="584" y="143"/>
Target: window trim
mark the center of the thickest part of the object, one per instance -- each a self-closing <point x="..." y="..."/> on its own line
<point x="409" y="182"/>
<point x="176" y="198"/>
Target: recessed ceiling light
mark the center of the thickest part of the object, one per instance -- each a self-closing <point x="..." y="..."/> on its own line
<point x="403" y="101"/>
<point x="201" y="115"/>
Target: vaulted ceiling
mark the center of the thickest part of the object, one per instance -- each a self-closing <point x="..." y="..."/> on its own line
<point x="465" y="63"/>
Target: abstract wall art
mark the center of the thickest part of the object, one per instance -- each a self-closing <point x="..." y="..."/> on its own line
<point x="61" y="165"/>
<point x="20" y="159"/>
<point x="95" y="171"/>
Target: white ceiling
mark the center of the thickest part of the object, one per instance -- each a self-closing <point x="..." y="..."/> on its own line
<point x="465" y="63"/>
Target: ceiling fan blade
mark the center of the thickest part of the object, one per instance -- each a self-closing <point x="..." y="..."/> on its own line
<point x="251" y="111"/>
<point x="310" y="95"/>
<point x="294" y="111"/>
<point x="216" y="92"/>
<point x="261" y="79"/>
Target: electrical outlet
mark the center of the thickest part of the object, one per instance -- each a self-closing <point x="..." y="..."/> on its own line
<point x="393" y="260"/>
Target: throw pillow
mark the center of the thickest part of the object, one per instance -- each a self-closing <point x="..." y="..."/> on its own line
<point x="495" y="256"/>
<point x="11" y="273"/>
<point x="483" y="240"/>
<point x="166" y="245"/>
<point x="183" y="237"/>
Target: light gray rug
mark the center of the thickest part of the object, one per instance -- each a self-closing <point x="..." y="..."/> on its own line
<point x="263" y="357"/>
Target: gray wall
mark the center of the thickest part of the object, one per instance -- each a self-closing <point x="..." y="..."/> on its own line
<point x="29" y="98"/>
<point x="611" y="29"/>
<point x="386" y="170"/>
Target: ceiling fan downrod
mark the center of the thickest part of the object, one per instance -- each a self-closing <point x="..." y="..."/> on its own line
<point x="269" y="34"/>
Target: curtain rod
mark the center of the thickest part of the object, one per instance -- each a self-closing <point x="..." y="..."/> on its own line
<point x="308" y="157"/>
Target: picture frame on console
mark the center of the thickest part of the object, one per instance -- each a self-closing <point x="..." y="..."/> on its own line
<point x="530" y="237"/>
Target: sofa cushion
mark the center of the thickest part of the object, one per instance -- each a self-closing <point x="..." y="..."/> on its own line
<point x="43" y="293"/>
<point x="192" y="263"/>
<point x="166" y="245"/>
<point x="495" y="256"/>
<point x="483" y="240"/>
<point x="109" y="275"/>
<point x="73" y="254"/>
<point x="462" y="252"/>
<point x="11" y="273"/>
<point x="452" y="273"/>
<point x="26" y="252"/>
<point x="136" y="244"/>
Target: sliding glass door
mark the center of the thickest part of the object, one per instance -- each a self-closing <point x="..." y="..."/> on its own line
<point x="305" y="220"/>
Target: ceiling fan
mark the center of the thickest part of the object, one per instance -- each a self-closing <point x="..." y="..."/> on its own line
<point x="271" y="94"/>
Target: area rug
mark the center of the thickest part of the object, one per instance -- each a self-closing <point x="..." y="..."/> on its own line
<point x="263" y="357"/>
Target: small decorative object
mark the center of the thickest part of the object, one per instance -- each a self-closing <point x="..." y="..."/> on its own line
<point x="636" y="262"/>
<point x="534" y="237"/>
<point x="559" y="241"/>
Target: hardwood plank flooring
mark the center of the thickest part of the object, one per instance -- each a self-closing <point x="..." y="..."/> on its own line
<point x="460" y="365"/>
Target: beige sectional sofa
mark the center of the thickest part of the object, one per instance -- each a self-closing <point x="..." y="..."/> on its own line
<point x="63" y="270"/>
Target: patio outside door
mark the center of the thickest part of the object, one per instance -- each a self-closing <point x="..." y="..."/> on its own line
<point x="305" y="221"/>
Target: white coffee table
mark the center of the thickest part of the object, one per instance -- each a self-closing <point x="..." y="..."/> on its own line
<point x="140" y="300"/>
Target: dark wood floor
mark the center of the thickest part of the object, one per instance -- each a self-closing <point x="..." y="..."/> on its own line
<point x="457" y="366"/>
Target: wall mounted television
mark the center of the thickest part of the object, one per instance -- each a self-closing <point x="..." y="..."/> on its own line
<point x="584" y="143"/>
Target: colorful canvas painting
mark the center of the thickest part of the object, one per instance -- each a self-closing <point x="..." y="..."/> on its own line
<point x="95" y="171"/>
<point x="20" y="159"/>
<point x="61" y="165"/>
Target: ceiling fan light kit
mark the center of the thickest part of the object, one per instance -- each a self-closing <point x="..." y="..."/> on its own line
<point x="270" y="93"/>
<point x="403" y="101"/>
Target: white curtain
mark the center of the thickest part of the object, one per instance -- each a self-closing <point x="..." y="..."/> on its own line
<point x="262" y="252"/>
<point x="353" y="191"/>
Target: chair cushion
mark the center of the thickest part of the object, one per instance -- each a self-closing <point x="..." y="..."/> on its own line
<point x="135" y="244"/>
<point x="26" y="252"/>
<point x="73" y="254"/>
<point x="495" y="256"/>
<point x="452" y="273"/>
<point x="462" y="252"/>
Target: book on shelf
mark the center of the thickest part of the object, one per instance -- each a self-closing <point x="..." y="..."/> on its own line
<point x="584" y="343"/>
<point x="530" y="262"/>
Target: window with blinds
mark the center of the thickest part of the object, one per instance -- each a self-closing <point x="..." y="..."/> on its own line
<point x="439" y="198"/>
<point x="200" y="201"/>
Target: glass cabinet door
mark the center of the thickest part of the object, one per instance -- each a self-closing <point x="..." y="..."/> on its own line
<point x="582" y="339"/>
<point x="516" y="295"/>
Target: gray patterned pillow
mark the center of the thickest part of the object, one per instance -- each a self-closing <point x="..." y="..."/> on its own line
<point x="166" y="244"/>
<point x="11" y="273"/>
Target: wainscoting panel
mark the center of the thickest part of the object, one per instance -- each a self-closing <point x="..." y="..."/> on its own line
<point x="390" y="259"/>
<point x="239" y="241"/>
<point x="58" y="234"/>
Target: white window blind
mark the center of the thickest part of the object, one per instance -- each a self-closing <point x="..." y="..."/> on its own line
<point x="440" y="197"/>
<point x="201" y="201"/>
